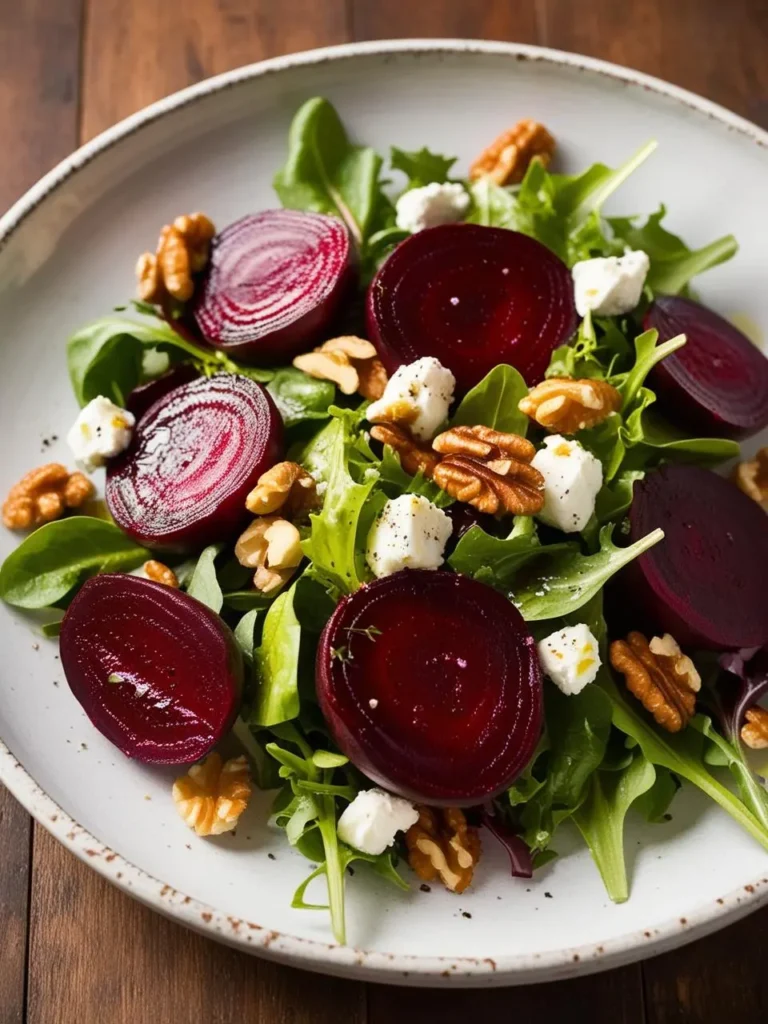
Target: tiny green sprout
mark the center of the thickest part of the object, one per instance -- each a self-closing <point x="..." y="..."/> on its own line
<point x="369" y="631"/>
<point x="341" y="653"/>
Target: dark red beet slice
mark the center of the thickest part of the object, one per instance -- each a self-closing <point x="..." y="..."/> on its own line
<point x="430" y="684"/>
<point x="157" y="673"/>
<point x="273" y="283"/>
<point x="717" y="383"/>
<point x="472" y="297"/>
<point x="145" y="395"/>
<point x="705" y="582"/>
<point x="195" y="455"/>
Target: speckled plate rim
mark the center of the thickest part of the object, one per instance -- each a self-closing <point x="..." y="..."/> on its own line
<point x="331" y="958"/>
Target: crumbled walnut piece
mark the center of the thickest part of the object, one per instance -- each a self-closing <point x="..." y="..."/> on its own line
<point x="663" y="679"/>
<point x="287" y="488"/>
<point x="182" y="251"/>
<point x="44" y="494"/>
<point x="349" y="362"/>
<point x="271" y="546"/>
<point x="159" y="573"/>
<point x="564" y="406"/>
<point x="212" y="796"/>
<point x="507" y="159"/>
<point x="752" y="478"/>
<point x="754" y="732"/>
<point x="413" y="456"/>
<point x="442" y="845"/>
<point x="490" y="470"/>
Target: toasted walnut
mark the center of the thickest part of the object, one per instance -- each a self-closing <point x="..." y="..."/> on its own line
<point x="182" y="251"/>
<point x="285" y="487"/>
<point x="752" y="478"/>
<point x="212" y="796"/>
<point x="563" y="406"/>
<point x="754" y="732"/>
<point x="442" y="844"/>
<point x="349" y="362"/>
<point x="413" y="456"/>
<point x="490" y="470"/>
<point x="271" y="546"/>
<point x="663" y="679"/>
<point x="159" y="573"/>
<point x="44" y="494"/>
<point x="507" y="159"/>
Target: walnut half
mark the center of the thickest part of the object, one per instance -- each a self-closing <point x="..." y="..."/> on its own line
<point x="44" y="494"/>
<point x="754" y="732"/>
<point x="182" y="251"/>
<point x="350" y="362"/>
<point x="663" y="679"/>
<point x="564" y="406"/>
<point x="286" y="488"/>
<point x="442" y="845"/>
<point x="271" y="546"/>
<point x="212" y="796"/>
<point x="752" y="478"/>
<point x="508" y="157"/>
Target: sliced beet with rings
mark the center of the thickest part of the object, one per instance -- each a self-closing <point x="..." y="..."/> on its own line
<point x="705" y="582"/>
<point x="157" y="672"/>
<point x="717" y="383"/>
<point x="195" y="455"/>
<point x="145" y="395"/>
<point x="430" y="684"/>
<point x="473" y="297"/>
<point x="273" y="284"/>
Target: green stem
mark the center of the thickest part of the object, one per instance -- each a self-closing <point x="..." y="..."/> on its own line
<point x="334" y="870"/>
<point x="596" y="199"/>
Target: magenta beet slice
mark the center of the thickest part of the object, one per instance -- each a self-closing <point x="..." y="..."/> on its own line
<point x="705" y="582"/>
<point x="273" y="283"/>
<point x="430" y="684"/>
<point x="472" y="297"/>
<point x="195" y="455"/>
<point x="717" y="383"/>
<point x="145" y="395"/>
<point x="157" y="672"/>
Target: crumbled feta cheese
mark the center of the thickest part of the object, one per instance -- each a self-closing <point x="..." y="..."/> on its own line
<point x="101" y="431"/>
<point x="418" y="394"/>
<point x="409" y="533"/>
<point x="372" y="820"/>
<point x="612" y="285"/>
<point x="570" y="658"/>
<point x="431" y="205"/>
<point x="572" y="478"/>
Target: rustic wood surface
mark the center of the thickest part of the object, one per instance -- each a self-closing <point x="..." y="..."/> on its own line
<point x="74" y="949"/>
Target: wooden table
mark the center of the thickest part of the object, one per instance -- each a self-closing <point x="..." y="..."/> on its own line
<point x="74" y="949"/>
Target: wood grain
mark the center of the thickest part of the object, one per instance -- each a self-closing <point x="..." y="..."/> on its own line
<point x="475" y="19"/>
<point x="15" y="835"/>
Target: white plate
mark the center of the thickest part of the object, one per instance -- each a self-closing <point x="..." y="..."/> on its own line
<point x="66" y="255"/>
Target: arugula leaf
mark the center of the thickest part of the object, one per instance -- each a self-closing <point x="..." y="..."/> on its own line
<point x="421" y="167"/>
<point x="731" y="755"/>
<point x="493" y="402"/>
<point x="300" y="397"/>
<point x="204" y="586"/>
<point x="600" y="819"/>
<point x="492" y="205"/>
<point x="247" y="600"/>
<point x="655" y="802"/>
<point x="647" y="355"/>
<point x="276" y="663"/>
<point x="395" y="481"/>
<point x="263" y="767"/>
<point x="325" y="173"/>
<point x="503" y="556"/>
<point x="61" y="555"/>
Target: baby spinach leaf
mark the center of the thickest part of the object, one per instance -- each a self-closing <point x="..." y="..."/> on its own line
<point x="655" y="802"/>
<point x="493" y="402"/>
<point x="325" y="173"/>
<point x="752" y="791"/>
<point x="300" y="397"/>
<point x="263" y="767"/>
<point x="600" y="819"/>
<point x="276" y="663"/>
<point x="61" y="555"/>
<point x="421" y="167"/>
<point x="204" y="586"/>
<point x="245" y="632"/>
<point x="246" y="600"/>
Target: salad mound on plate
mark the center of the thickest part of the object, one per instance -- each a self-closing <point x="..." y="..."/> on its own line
<point x="410" y="488"/>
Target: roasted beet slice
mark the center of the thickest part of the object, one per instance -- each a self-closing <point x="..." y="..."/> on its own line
<point x="195" y="455"/>
<point x="157" y="673"/>
<point x="717" y="383"/>
<point x="145" y="395"/>
<point x="273" y="283"/>
<point x="705" y="582"/>
<point x="430" y="684"/>
<point x="472" y="297"/>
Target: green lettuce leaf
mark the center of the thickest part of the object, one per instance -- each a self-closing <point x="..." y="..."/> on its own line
<point x="276" y="664"/>
<point x="503" y="556"/>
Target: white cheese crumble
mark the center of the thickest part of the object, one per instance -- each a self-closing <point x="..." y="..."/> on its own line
<point x="431" y="205"/>
<point x="409" y="533"/>
<point x="611" y="285"/>
<point x="372" y="820"/>
<point x="418" y="395"/>
<point x="101" y="431"/>
<point x="572" y="478"/>
<point x="570" y="658"/>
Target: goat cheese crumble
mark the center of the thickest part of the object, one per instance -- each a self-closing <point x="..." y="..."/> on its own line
<point x="572" y="479"/>
<point x="101" y="431"/>
<point x="418" y="395"/>
<point x="373" y="819"/>
<point x="570" y="657"/>
<point x="431" y="205"/>
<point x="610" y="285"/>
<point x="409" y="533"/>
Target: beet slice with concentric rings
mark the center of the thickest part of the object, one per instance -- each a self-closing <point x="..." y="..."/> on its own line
<point x="705" y="583"/>
<point x="430" y="684"/>
<point x="472" y="297"/>
<point x="194" y="456"/>
<point x="717" y="383"/>
<point x="273" y="283"/>
<point x="157" y="672"/>
<point x="145" y="395"/>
